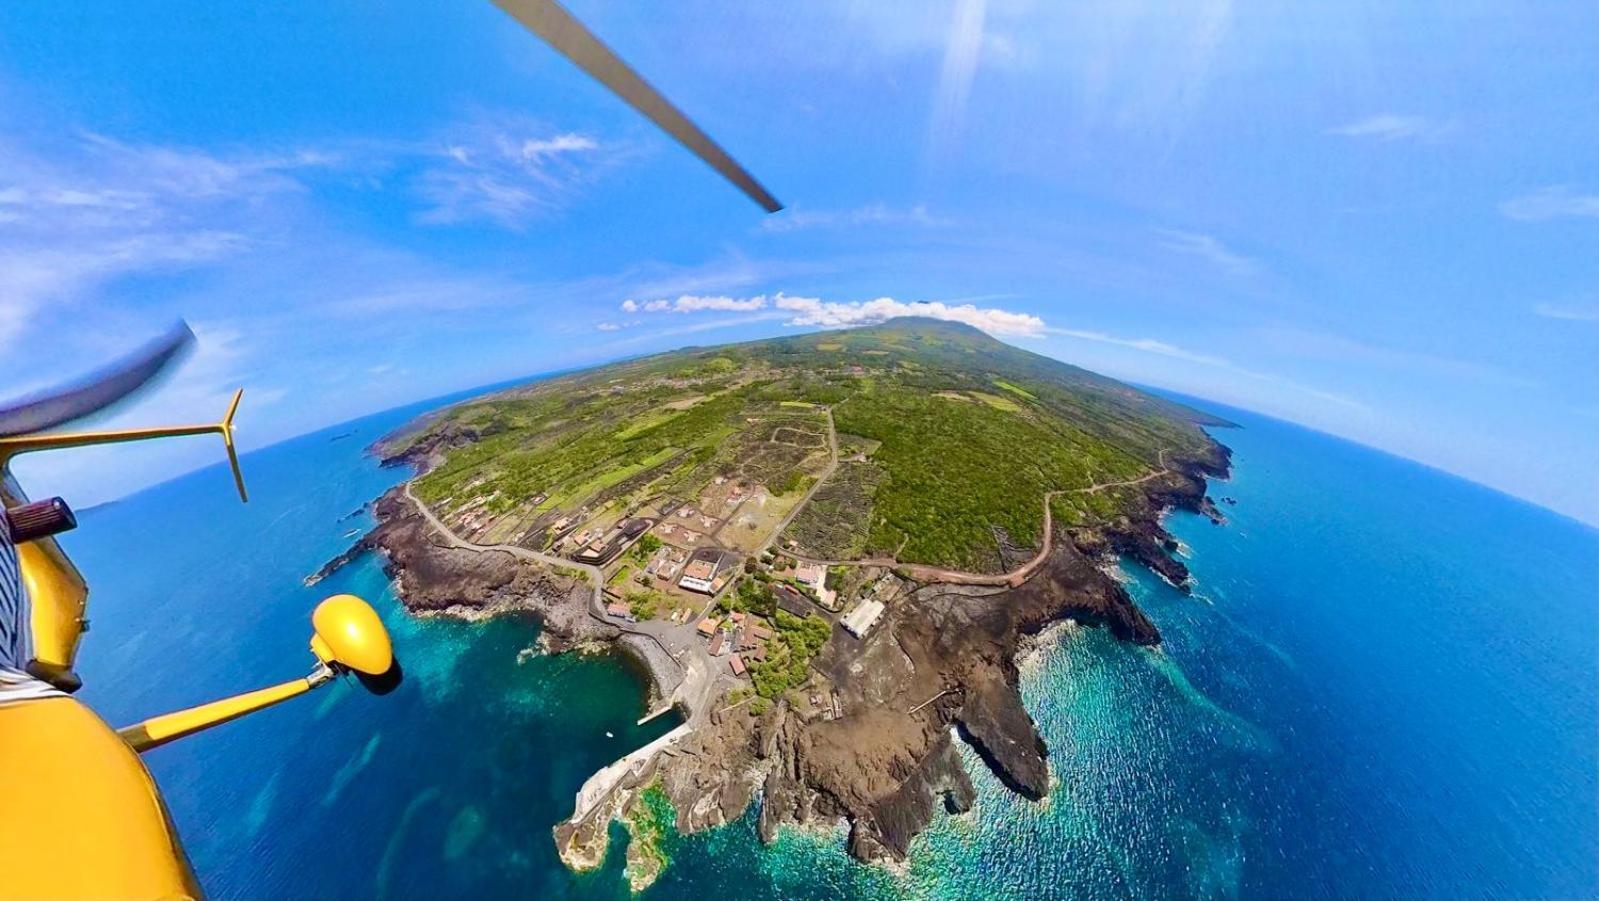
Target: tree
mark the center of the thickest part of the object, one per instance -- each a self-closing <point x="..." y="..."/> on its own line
<point x="644" y="604"/>
<point x="645" y="546"/>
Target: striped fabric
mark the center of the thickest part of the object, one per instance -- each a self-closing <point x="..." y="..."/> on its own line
<point x="15" y="684"/>
<point x="13" y="608"/>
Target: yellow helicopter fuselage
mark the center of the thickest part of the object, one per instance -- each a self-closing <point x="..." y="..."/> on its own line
<point x="80" y="815"/>
<point x="85" y="819"/>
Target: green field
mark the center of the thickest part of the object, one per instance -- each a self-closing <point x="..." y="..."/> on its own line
<point x="1015" y="389"/>
<point x="950" y="478"/>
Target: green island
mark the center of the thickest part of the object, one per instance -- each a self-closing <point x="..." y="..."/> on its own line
<point x="825" y="549"/>
<point x="947" y="442"/>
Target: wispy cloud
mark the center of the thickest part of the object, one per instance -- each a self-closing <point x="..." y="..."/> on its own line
<point x="1166" y="349"/>
<point x="1210" y="249"/>
<point x="1553" y="202"/>
<point x="1147" y="345"/>
<point x="1391" y="127"/>
<point x="508" y="178"/>
<point x="1568" y="312"/>
<point x="420" y="293"/>
<point x="814" y="311"/>
<point x="696" y="303"/>
<point x="106" y="210"/>
<point x="871" y="214"/>
<point x="660" y="336"/>
<point x="835" y="314"/>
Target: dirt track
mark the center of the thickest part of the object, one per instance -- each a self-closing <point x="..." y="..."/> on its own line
<point x="924" y="573"/>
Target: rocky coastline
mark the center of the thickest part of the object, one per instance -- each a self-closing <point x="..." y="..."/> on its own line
<point x="432" y="578"/>
<point x="942" y="666"/>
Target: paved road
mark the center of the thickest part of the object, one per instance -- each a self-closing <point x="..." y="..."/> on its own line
<point x="680" y="644"/>
<point x="923" y="573"/>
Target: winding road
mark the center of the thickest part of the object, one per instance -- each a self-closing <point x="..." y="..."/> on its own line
<point x="695" y="689"/>
<point x="924" y="573"/>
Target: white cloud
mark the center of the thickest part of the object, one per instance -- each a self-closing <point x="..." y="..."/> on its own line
<point x="689" y="303"/>
<point x="1390" y="127"/>
<point x="534" y="149"/>
<point x="99" y="210"/>
<point x="1568" y="312"/>
<point x="696" y="303"/>
<point x="609" y="326"/>
<point x="813" y="311"/>
<point x="491" y="174"/>
<point x="1553" y="202"/>
<point x="875" y="214"/>
<point x="1209" y="248"/>
<point x="659" y="336"/>
<point x="843" y="314"/>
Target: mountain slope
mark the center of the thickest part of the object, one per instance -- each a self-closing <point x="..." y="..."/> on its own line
<point x="949" y="441"/>
<point x="915" y="458"/>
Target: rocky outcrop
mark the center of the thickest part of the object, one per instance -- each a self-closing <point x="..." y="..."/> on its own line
<point x="398" y="449"/>
<point x="940" y="667"/>
<point x="1136" y="532"/>
<point x="432" y="577"/>
<point x="999" y="729"/>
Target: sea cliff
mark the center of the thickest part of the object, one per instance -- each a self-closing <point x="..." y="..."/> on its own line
<point x="941" y="667"/>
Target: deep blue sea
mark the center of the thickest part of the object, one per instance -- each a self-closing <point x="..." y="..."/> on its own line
<point x="1384" y="686"/>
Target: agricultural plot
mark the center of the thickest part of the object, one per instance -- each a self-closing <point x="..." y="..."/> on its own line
<point x="836" y="524"/>
<point x="948" y="442"/>
<point x="778" y="451"/>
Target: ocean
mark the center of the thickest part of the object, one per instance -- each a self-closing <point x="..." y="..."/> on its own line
<point x="1384" y="685"/>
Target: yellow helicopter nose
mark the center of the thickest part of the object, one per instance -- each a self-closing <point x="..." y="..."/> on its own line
<point x="347" y="631"/>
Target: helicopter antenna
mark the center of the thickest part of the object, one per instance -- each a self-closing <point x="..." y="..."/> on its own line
<point x="12" y="445"/>
<point x="558" y="28"/>
<point x="225" y="428"/>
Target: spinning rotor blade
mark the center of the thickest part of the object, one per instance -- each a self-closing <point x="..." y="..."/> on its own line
<point x="97" y="391"/>
<point x="550" y="21"/>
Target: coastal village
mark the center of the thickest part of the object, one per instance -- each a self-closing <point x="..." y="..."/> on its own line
<point x="701" y="566"/>
<point x="708" y="576"/>
<point x="802" y="543"/>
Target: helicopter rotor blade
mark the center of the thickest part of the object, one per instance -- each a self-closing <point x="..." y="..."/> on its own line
<point x="558" y="28"/>
<point x="97" y="391"/>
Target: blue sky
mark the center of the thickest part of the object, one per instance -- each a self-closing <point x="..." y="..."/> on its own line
<point x="1376" y="219"/>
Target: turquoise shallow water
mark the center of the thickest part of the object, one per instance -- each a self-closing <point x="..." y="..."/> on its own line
<point x="1385" y="686"/>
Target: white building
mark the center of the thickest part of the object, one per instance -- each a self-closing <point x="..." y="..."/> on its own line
<point x="862" y="618"/>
